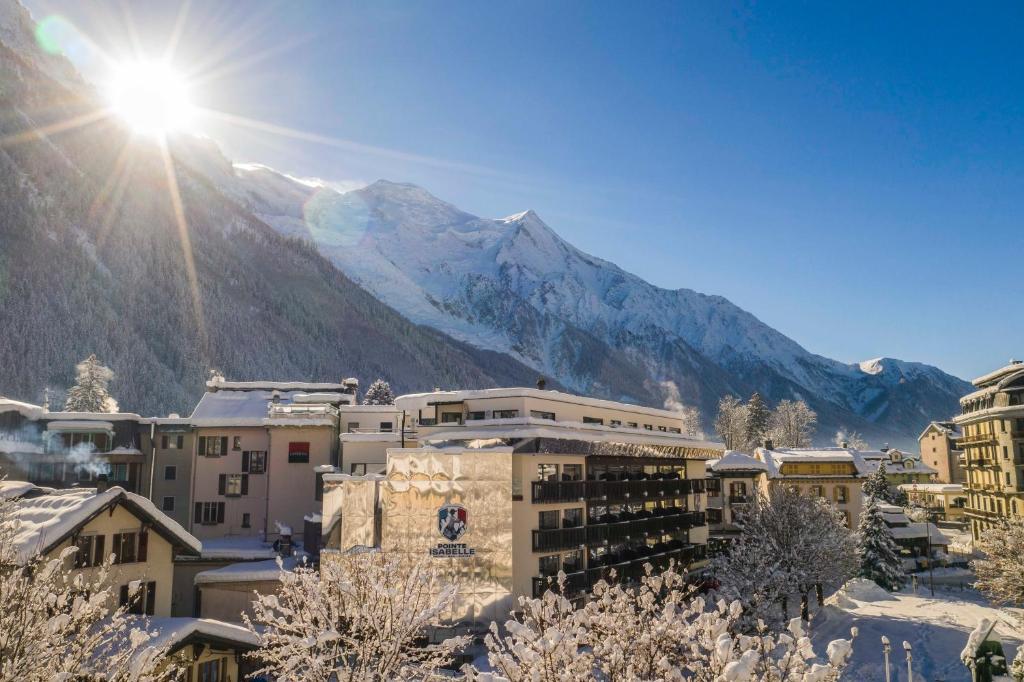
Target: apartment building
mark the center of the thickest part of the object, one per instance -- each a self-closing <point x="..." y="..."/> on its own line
<point x="942" y="501"/>
<point x="260" y="448"/>
<point x="939" y="449"/>
<point x="900" y="467"/>
<point x="65" y="449"/>
<point x="733" y="484"/>
<point x="835" y="474"/>
<point x="171" y="473"/>
<point x="991" y="422"/>
<point x="513" y="485"/>
<point x="102" y="521"/>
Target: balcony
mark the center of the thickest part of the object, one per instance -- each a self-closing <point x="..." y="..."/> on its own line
<point x="714" y="487"/>
<point x="740" y="499"/>
<point x="613" y="491"/>
<point x="624" y="571"/>
<point x="615" y="529"/>
<point x="980" y="439"/>
<point x="714" y="515"/>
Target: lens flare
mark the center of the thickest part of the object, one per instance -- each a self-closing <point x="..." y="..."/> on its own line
<point x="151" y="97"/>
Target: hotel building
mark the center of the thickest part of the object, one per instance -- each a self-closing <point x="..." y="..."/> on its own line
<point x="991" y="422"/>
<point x="511" y="486"/>
<point x="939" y="449"/>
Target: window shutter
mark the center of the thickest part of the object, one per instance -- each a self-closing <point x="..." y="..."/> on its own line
<point x="199" y="513"/>
<point x="245" y="462"/>
<point x="124" y="595"/>
<point x="163" y="441"/>
<point x="143" y="544"/>
<point x="222" y="483"/>
<point x="98" y="551"/>
<point x="245" y="484"/>
<point x="223" y="445"/>
<point x="220" y="512"/>
<point x="181" y="442"/>
<point x="150" y="597"/>
<point x="202" y="446"/>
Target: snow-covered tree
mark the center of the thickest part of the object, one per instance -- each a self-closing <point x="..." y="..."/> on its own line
<point x="877" y="485"/>
<point x="690" y="416"/>
<point x="792" y="424"/>
<point x="362" y="616"/>
<point x="879" y="555"/>
<point x="850" y="439"/>
<point x="90" y="392"/>
<point x="657" y="630"/>
<point x="758" y="416"/>
<point x="379" y="393"/>
<point x="789" y="544"/>
<point x="1001" y="571"/>
<point x="61" y="624"/>
<point x="731" y="423"/>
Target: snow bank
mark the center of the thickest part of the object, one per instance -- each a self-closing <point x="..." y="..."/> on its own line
<point x="860" y="589"/>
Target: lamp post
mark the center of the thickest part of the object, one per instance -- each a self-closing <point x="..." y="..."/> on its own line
<point x="886" y="647"/>
<point x="910" y="658"/>
<point x="928" y="533"/>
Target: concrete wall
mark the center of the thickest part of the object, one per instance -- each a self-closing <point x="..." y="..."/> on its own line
<point x="180" y="487"/>
<point x="228" y="601"/>
<point x="293" y="485"/>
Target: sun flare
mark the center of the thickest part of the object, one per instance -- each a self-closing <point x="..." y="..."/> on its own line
<point x="151" y="97"/>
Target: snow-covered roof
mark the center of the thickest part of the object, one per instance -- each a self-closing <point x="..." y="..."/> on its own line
<point x="241" y="547"/>
<point x="915" y="531"/>
<point x="13" y="445"/>
<point x="235" y="408"/>
<point x="79" y="425"/>
<point x="916" y="466"/>
<point x="246" y="572"/>
<point x="413" y="401"/>
<point x="950" y="429"/>
<point x="26" y="409"/>
<point x="1013" y="367"/>
<point x="97" y="416"/>
<point x="12" y="489"/>
<point x="933" y="487"/>
<point x="46" y="520"/>
<point x="737" y="461"/>
<point x="289" y="386"/>
<point x="175" y="633"/>
<point x="775" y="458"/>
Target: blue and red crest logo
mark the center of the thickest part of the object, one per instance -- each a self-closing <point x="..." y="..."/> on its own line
<point x="452" y="520"/>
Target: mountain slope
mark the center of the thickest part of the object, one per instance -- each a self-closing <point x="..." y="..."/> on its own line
<point x="92" y="260"/>
<point x="513" y="285"/>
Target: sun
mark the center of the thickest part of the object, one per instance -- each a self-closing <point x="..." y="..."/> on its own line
<point x="151" y="97"/>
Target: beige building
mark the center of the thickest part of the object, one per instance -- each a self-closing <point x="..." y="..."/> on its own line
<point x="900" y="467"/>
<point x="733" y="485"/>
<point x="833" y="473"/>
<point x="939" y="449"/>
<point x="101" y="522"/>
<point x="173" y="445"/>
<point x="944" y="501"/>
<point x="510" y="486"/>
<point x="991" y="422"/>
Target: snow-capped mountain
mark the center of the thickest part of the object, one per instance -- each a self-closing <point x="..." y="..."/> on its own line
<point x="513" y="285"/>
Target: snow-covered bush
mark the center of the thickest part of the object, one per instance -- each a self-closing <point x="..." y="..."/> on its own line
<point x="788" y="544"/>
<point x="57" y="623"/>
<point x="362" y="616"/>
<point x="879" y="556"/>
<point x="657" y="630"/>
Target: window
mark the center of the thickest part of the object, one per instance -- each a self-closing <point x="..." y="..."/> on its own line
<point x="246" y="520"/>
<point x="593" y="420"/>
<point x="143" y="602"/>
<point x="451" y="418"/>
<point x="549" y="565"/>
<point x="674" y="429"/>
<point x="90" y="551"/>
<point x="233" y="485"/>
<point x="537" y="414"/>
<point x="572" y="472"/>
<point x="213" y="446"/>
<point x="615" y="423"/>
<point x="548" y="520"/>
<point x="168" y="504"/>
<point x="506" y="414"/>
<point x="572" y="561"/>
<point x="236" y="443"/>
<point x="632" y="425"/>
<point x="130" y="547"/>
<point x="358" y="468"/>
<point x="386" y="427"/>
<point x="298" y="453"/>
<point x="1006" y="454"/>
<point x="842" y="495"/>
<point x="352" y="427"/>
<point x="213" y="671"/>
<point x="209" y="513"/>
<point x="163" y="441"/>
<point x="547" y="472"/>
<point x="663" y="428"/>
<point x="254" y="462"/>
<point x="476" y="416"/>
<point x="170" y="473"/>
<point x="572" y="518"/>
<point x="118" y="472"/>
<point x="172" y="442"/>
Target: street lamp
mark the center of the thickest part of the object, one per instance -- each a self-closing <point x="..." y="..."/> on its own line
<point x="886" y="647"/>
<point x="910" y="658"/>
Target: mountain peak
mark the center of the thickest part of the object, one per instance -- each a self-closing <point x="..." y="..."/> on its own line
<point x="528" y="214"/>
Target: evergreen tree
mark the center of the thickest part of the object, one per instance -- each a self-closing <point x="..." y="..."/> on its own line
<point x="379" y="393"/>
<point x="90" y="394"/>
<point x="879" y="556"/>
<point x="758" y="415"/>
<point x="876" y="485"/>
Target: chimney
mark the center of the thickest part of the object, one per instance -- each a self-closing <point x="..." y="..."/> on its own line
<point x="541" y="383"/>
<point x="768" y="444"/>
<point x="884" y="448"/>
<point x="844" y="445"/>
<point x="275" y="397"/>
<point x="351" y="386"/>
<point x="102" y="483"/>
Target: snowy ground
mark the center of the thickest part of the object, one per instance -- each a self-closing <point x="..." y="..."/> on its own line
<point x="937" y="629"/>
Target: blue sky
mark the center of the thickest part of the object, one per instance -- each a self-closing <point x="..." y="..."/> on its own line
<point x="851" y="174"/>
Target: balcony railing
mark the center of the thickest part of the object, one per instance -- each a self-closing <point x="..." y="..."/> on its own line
<point x="739" y="499"/>
<point x="975" y="440"/>
<point x="626" y="571"/>
<point x="613" y="531"/>
<point x="613" y="491"/>
<point x="714" y="515"/>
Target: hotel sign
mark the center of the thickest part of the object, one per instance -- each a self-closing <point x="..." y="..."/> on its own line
<point x="452" y="524"/>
